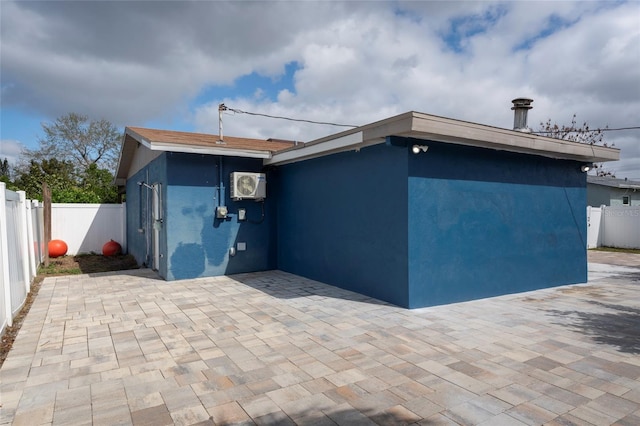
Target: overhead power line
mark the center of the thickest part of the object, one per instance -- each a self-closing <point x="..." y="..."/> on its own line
<point x="223" y="107"/>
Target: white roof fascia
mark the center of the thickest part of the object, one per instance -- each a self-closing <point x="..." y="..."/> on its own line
<point x="466" y="133"/>
<point x="440" y="129"/>
<point x="230" y="152"/>
<point x="346" y="142"/>
<point x="137" y="137"/>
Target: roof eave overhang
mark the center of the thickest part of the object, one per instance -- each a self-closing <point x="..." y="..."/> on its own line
<point x="219" y="149"/>
<point x="131" y="139"/>
<point x="347" y="142"/>
<point x="212" y="150"/>
<point x="440" y="129"/>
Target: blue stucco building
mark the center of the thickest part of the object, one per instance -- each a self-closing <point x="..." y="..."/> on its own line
<point x="416" y="210"/>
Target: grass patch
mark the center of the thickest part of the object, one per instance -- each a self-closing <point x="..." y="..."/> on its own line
<point x="87" y="264"/>
<point x="56" y="269"/>
<point x="617" y="250"/>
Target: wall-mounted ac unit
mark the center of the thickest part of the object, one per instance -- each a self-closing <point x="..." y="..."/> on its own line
<point x="248" y="186"/>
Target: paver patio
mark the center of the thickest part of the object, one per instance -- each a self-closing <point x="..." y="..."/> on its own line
<point x="275" y="348"/>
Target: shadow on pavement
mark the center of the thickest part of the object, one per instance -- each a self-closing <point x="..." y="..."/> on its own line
<point x="282" y="288"/>
<point x="620" y="327"/>
<point x="347" y="416"/>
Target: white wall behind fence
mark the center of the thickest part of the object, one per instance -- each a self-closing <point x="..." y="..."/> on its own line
<point x="621" y="227"/>
<point x="87" y="227"/>
<point x="594" y="221"/>
<point x="613" y="226"/>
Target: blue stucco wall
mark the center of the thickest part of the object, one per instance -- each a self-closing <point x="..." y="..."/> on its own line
<point x="342" y="220"/>
<point x="455" y="223"/>
<point x="485" y="223"/>
<point x="197" y="243"/>
<point x="139" y="205"/>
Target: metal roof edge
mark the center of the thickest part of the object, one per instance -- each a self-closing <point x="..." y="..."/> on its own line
<point x="484" y="136"/>
<point x="441" y="129"/>
<point x="612" y="182"/>
<point x="347" y="140"/>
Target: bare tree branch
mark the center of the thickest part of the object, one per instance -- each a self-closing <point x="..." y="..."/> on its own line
<point x="74" y="138"/>
<point x="582" y="134"/>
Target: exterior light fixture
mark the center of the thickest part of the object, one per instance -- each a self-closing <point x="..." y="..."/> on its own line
<point x="417" y="148"/>
<point x="585" y="168"/>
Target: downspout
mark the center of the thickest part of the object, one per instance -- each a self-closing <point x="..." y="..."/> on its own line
<point x="147" y="228"/>
<point x="220" y="184"/>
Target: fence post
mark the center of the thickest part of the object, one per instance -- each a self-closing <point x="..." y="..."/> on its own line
<point x="39" y="233"/>
<point x="46" y="198"/>
<point x="30" y="245"/>
<point x="4" y="257"/>
<point x="125" y="248"/>
<point x="603" y="224"/>
<point x="24" y="231"/>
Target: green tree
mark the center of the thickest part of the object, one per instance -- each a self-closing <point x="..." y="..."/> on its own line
<point x="93" y="186"/>
<point x="74" y="158"/>
<point x="5" y="170"/>
<point x="59" y="176"/>
<point x="5" y="175"/>
<point x="100" y="182"/>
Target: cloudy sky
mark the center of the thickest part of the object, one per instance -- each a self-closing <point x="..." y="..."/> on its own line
<point x="168" y="65"/>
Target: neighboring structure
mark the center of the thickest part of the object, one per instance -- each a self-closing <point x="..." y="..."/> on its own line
<point x="609" y="191"/>
<point x="416" y="210"/>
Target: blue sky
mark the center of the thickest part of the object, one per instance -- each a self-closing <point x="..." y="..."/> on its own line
<point x="169" y="64"/>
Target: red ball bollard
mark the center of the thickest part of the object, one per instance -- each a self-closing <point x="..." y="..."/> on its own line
<point x="111" y="248"/>
<point x="57" y="248"/>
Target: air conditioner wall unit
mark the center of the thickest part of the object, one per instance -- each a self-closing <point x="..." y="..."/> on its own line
<point x="248" y="186"/>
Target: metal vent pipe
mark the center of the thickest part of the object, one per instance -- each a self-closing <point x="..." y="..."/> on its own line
<point x="520" y="107"/>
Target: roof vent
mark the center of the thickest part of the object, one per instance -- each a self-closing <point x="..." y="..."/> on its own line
<point x="521" y="106"/>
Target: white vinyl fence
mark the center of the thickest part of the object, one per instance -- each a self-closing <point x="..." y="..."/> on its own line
<point x="84" y="227"/>
<point x="613" y="226"/>
<point x="87" y="227"/>
<point x="21" y="250"/>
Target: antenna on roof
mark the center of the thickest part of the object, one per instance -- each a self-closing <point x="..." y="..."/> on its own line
<point x="221" y="108"/>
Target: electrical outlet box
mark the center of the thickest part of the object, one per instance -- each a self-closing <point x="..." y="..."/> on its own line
<point x="242" y="246"/>
<point x="242" y="214"/>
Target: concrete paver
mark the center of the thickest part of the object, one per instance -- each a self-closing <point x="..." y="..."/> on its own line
<point x="275" y="348"/>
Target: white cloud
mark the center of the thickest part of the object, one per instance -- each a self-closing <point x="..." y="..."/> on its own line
<point x="360" y="73"/>
<point x="10" y="149"/>
<point x="131" y="62"/>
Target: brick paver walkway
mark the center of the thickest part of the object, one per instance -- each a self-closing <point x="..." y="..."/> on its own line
<point x="614" y="258"/>
<point x="274" y="348"/>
